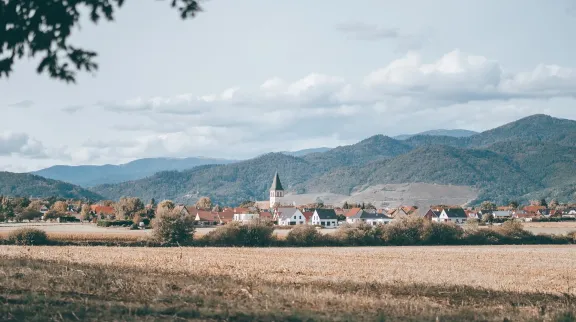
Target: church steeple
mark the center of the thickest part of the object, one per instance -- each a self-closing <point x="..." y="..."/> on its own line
<point x="276" y="184"/>
<point x="276" y="191"/>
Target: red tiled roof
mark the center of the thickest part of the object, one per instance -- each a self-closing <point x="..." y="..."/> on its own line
<point x="204" y="215"/>
<point x="352" y="212"/>
<point x="534" y="208"/>
<point x="266" y="215"/>
<point x="97" y="209"/>
<point x="226" y="216"/>
<point x="308" y="215"/>
<point x="239" y="210"/>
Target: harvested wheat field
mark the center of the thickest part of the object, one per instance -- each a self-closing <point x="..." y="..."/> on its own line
<point x="245" y="284"/>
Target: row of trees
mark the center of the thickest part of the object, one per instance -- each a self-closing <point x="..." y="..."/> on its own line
<point x="553" y="204"/>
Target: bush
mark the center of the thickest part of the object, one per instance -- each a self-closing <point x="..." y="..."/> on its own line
<point x="170" y="227"/>
<point x="406" y="231"/>
<point x="572" y="236"/>
<point x="360" y="234"/>
<point x="236" y="234"/>
<point x="28" y="236"/>
<point x="435" y="233"/>
<point x="513" y="230"/>
<point x="482" y="237"/>
<point x="304" y="235"/>
<point x="68" y="219"/>
<point x="115" y="223"/>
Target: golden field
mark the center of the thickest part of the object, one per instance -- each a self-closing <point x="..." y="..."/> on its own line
<point x="365" y="283"/>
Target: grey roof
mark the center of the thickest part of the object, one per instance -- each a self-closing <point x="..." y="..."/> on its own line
<point x="363" y="214"/>
<point x="286" y="213"/>
<point x="455" y="213"/>
<point x="436" y="213"/>
<point x="276" y="185"/>
<point x="326" y="213"/>
<point x="502" y="213"/>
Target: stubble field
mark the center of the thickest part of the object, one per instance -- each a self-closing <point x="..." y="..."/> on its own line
<point x="244" y="284"/>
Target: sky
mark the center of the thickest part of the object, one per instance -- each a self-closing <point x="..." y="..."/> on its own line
<point x="254" y="76"/>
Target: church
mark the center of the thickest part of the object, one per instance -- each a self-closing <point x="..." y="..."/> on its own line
<point x="276" y="195"/>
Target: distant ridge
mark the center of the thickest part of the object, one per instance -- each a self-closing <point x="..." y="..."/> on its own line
<point x="531" y="157"/>
<point x="29" y="185"/>
<point x="457" y="133"/>
<point x="92" y="175"/>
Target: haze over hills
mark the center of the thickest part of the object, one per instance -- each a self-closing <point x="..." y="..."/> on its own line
<point x="523" y="159"/>
<point x="301" y="153"/>
<point x="29" y="185"/>
<point x="457" y="133"/>
<point x="92" y="175"/>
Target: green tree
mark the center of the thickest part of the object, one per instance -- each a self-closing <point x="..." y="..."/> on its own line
<point x="488" y="205"/>
<point x="514" y="204"/>
<point x="30" y="28"/>
<point x="543" y="202"/>
<point x="30" y="215"/>
<point x="345" y="205"/>
<point x="170" y="227"/>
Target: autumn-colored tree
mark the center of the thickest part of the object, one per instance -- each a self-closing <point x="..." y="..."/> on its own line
<point x="204" y="203"/>
<point x="128" y="207"/>
<point x="514" y="204"/>
<point x="35" y="205"/>
<point x="107" y="203"/>
<point x="85" y="213"/>
<point x="535" y="203"/>
<point x="553" y="204"/>
<point x="166" y="204"/>
<point x="60" y="206"/>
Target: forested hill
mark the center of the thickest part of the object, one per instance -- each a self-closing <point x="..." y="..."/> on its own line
<point x="28" y="185"/>
<point x="533" y="156"/>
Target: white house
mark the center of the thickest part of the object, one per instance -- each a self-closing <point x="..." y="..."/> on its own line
<point x="455" y="215"/>
<point x="369" y="217"/>
<point x="289" y="217"/>
<point x="244" y="218"/>
<point x="325" y="218"/>
<point x="44" y="209"/>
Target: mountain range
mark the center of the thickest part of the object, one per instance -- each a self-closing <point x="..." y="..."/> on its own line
<point x="457" y="133"/>
<point x="29" y="185"/>
<point x="533" y="157"/>
<point x="92" y="175"/>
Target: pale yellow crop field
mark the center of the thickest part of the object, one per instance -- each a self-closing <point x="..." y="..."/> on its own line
<point x="549" y="269"/>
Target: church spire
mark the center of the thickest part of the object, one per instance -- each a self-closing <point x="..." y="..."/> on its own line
<point x="276" y="184"/>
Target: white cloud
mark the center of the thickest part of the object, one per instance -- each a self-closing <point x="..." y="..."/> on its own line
<point x="407" y="95"/>
<point x="22" y="104"/>
<point x="21" y="144"/>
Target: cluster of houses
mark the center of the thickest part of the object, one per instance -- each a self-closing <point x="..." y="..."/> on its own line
<point x="282" y="215"/>
<point x="276" y="210"/>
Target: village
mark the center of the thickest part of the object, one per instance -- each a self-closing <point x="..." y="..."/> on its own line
<point x="133" y="212"/>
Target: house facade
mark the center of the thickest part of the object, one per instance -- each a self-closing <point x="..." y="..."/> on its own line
<point x="325" y="218"/>
<point x="289" y="217"/>
<point x="369" y="217"/>
<point x="455" y="215"/>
